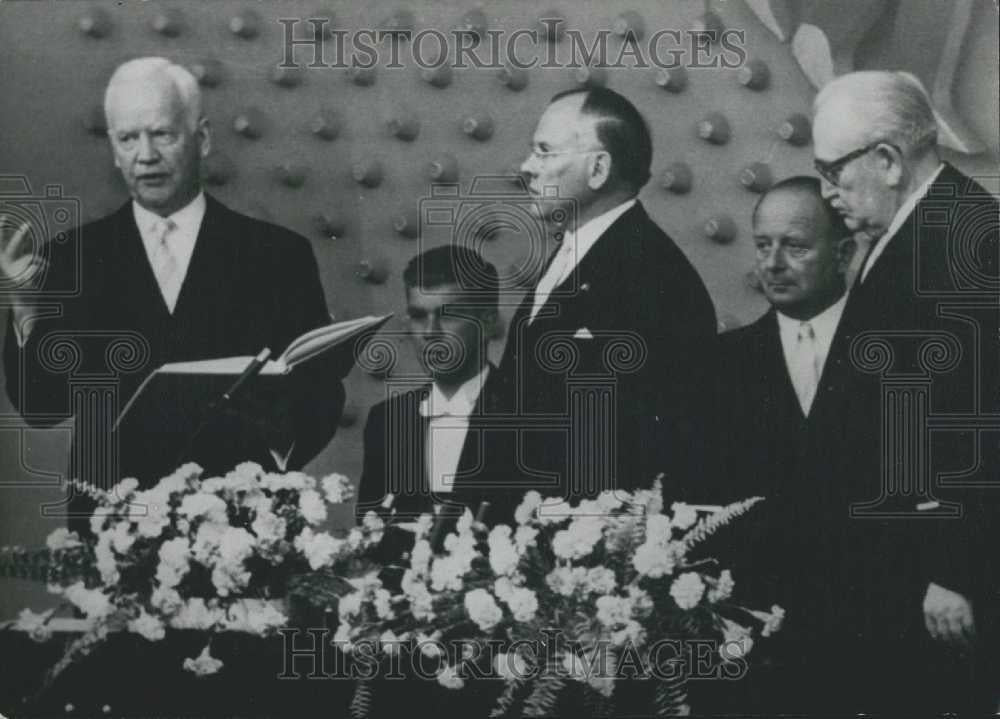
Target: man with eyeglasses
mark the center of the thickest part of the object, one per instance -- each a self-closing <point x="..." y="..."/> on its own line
<point x="179" y="276"/>
<point x="609" y="350"/>
<point x="926" y="582"/>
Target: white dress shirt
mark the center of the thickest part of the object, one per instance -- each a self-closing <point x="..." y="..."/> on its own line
<point x="181" y="241"/>
<point x="806" y="369"/>
<point x="448" y="424"/>
<point x="897" y="221"/>
<point x="574" y="247"/>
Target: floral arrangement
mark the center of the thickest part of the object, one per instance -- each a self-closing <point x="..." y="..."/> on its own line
<point x="212" y="554"/>
<point x="569" y="589"/>
<point x="559" y="598"/>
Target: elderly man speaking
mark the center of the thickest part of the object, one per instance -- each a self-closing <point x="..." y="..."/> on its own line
<point x="174" y="273"/>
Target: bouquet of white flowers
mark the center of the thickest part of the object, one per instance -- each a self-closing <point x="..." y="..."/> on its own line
<point x="216" y="554"/>
<point x="559" y="600"/>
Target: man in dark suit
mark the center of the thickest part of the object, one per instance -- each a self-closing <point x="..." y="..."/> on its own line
<point x="608" y="353"/>
<point x="447" y="445"/>
<point x="788" y="550"/>
<point x="172" y="276"/>
<point x="917" y="344"/>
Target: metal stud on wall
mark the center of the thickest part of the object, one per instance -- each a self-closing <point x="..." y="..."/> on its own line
<point x="347" y="154"/>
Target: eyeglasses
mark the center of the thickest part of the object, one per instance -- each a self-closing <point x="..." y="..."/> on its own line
<point x="830" y="170"/>
<point x="543" y="155"/>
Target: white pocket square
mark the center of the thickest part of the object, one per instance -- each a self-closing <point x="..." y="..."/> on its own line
<point x="583" y="334"/>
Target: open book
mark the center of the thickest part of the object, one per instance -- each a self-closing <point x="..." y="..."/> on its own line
<point x="299" y="350"/>
<point x="341" y="335"/>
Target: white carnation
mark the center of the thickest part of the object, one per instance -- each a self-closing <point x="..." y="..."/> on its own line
<point x="525" y="511"/>
<point x="253" y="616"/>
<point x="613" y="611"/>
<point x="684" y="515"/>
<point x="122" y="538"/>
<point x="174" y="562"/>
<point x="503" y="554"/>
<point x="349" y="605"/>
<point x="148" y="626"/>
<point x="482" y="609"/>
<point x="166" y="600"/>
<point x="204" y="665"/>
<point x="600" y="580"/>
<point x="523" y="604"/>
<point x="196" y="614"/>
<point x="448" y="678"/>
<point x="319" y="548"/>
<point x="94" y="603"/>
<point x="524" y="537"/>
<point x="723" y="588"/>
<point x="382" y="602"/>
<point x="651" y="559"/>
<point x="312" y="507"/>
<point x="658" y="528"/>
<point x="106" y="562"/>
<point x="209" y="506"/>
<point x="337" y="488"/>
<point x="687" y="590"/>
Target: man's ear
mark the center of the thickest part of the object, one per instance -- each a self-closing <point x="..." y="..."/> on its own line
<point x="846" y="248"/>
<point x="600" y="169"/>
<point x="204" y="135"/>
<point x="892" y="160"/>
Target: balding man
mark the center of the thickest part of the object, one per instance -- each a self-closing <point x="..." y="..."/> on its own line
<point x="608" y="351"/>
<point x="925" y="584"/>
<point x="175" y="273"/>
<point x="770" y="381"/>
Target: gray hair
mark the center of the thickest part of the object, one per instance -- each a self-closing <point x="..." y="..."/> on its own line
<point x="146" y="69"/>
<point x="892" y="106"/>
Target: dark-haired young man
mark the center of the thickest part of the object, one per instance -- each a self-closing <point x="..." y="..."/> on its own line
<point x="448" y="444"/>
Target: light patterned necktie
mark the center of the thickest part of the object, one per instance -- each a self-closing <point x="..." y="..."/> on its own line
<point x="165" y="265"/>
<point x="805" y="367"/>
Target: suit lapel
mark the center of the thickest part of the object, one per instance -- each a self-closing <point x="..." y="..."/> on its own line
<point x="604" y="257"/>
<point x="215" y="255"/>
<point x="134" y="271"/>
<point x="773" y="354"/>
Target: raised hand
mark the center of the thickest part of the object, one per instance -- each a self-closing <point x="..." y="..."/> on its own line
<point x="18" y="261"/>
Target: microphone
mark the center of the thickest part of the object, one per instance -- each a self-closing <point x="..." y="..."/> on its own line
<point x="252" y="369"/>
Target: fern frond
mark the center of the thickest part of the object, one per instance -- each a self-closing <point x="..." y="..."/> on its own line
<point x="707" y="526"/>
<point x="670" y="697"/>
<point x="513" y="692"/>
<point x="361" y="702"/>
<point x="544" y="696"/>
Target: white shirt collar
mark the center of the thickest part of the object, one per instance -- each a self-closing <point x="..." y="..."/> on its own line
<point x="824" y="327"/>
<point x="460" y="404"/>
<point x="898" y="219"/>
<point x="188" y="218"/>
<point x="187" y="221"/>
<point x="580" y="242"/>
